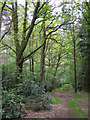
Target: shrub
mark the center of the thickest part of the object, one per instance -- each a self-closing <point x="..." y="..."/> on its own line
<point x="35" y="93"/>
<point x="8" y="75"/>
<point x="27" y="91"/>
<point x="12" y="105"/>
<point x="67" y="86"/>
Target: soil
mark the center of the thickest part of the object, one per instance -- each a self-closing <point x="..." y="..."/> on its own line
<point x="58" y="110"/>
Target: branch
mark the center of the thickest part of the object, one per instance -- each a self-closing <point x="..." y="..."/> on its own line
<point x="56" y="41"/>
<point x="40" y="21"/>
<point x="3" y="6"/>
<point x="56" y="28"/>
<point x="36" y="23"/>
<point x="8" y="7"/>
<point x="33" y="4"/>
<point x="61" y="5"/>
<point x="25" y="58"/>
<point x="24" y="42"/>
<point x="42" y="6"/>
<point x="4" y="35"/>
<point x="59" y="26"/>
<point x="8" y="46"/>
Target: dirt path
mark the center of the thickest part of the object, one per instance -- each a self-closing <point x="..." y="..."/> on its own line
<point x="64" y="97"/>
<point x="58" y="110"/>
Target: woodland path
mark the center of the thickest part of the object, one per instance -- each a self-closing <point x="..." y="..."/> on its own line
<point x="58" y="110"/>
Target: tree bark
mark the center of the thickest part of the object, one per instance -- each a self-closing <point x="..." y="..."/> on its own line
<point x="59" y="56"/>
<point x="74" y="62"/>
<point x="42" y="70"/>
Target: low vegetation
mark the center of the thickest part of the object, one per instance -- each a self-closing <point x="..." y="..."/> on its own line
<point x="75" y="109"/>
<point x="56" y="100"/>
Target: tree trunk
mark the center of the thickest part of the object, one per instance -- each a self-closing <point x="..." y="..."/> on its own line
<point x="43" y="55"/>
<point x="30" y="64"/>
<point x="19" y="70"/>
<point x="59" y="56"/>
<point x="74" y="62"/>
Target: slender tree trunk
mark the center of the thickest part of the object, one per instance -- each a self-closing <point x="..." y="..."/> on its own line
<point x="59" y="56"/>
<point x="74" y="62"/>
<point x="30" y="64"/>
<point x="1" y="10"/>
<point x="32" y="56"/>
<point x="43" y="55"/>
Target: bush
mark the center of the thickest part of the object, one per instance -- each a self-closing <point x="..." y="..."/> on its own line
<point x="8" y="75"/>
<point x="67" y="86"/>
<point x="41" y="102"/>
<point x="25" y="92"/>
<point x="12" y="105"/>
<point x="35" y="93"/>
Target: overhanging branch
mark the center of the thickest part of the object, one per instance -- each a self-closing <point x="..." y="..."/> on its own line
<point x="59" y="26"/>
<point x="25" y="58"/>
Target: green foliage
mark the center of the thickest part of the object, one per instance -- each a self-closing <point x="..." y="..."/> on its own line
<point x="77" y="96"/>
<point x="12" y="105"/>
<point x="41" y="102"/>
<point x="74" y="107"/>
<point x="56" y="100"/>
<point x="35" y="94"/>
<point x="8" y="75"/>
<point x="28" y="91"/>
<point x="56" y="90"/>
<point x="64" y="87"/>
<point x="67" y="86"/>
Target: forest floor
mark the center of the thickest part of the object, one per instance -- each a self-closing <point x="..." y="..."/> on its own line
<point x="63" y="110"/>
